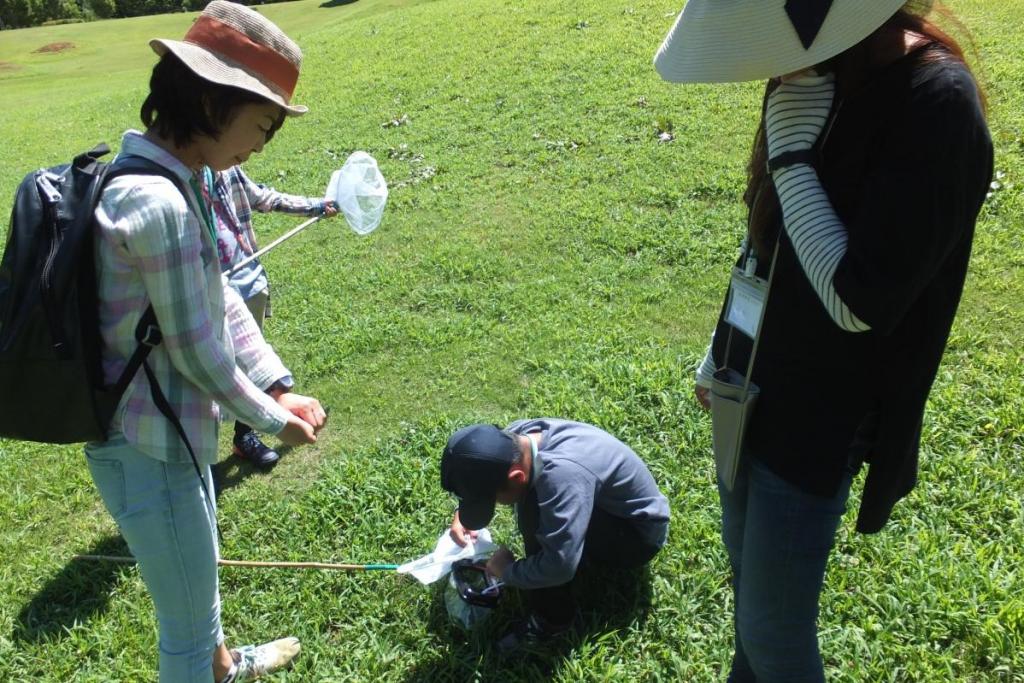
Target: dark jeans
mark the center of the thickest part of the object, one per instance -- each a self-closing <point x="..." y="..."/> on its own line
<point x="611" y="542"/>
<point x="778" y="539"/>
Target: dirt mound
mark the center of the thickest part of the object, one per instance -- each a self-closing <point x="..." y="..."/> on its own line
<point x="55" y="47"/>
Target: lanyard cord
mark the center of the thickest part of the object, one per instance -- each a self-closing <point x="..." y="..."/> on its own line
<point x="749" y="253"/>
<point x="205" y="205"/>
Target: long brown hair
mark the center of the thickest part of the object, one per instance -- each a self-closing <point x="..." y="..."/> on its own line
<point x="851" y="69"/>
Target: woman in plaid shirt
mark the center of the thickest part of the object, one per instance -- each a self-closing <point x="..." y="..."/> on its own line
<point x="215" y="99"/>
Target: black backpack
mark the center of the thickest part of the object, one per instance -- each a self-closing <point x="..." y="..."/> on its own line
<point x="49" y="310"/>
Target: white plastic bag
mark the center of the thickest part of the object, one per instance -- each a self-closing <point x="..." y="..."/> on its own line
<point x="438" y="564"/>
<point x="360" y="192"/>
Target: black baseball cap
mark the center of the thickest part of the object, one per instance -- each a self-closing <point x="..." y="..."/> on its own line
<point x="474" y="466"/>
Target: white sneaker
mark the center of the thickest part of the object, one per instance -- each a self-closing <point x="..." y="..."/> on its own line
<point x="252" y="661"/>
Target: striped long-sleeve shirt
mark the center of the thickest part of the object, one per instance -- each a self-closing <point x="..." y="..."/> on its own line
<point x="796" y="114"/>
<point x="152" y="247"/>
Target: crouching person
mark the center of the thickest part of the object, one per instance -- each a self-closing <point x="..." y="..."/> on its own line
<point x="580" y="495"/>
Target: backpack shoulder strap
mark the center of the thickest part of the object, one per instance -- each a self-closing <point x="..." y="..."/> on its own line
<point x="147" y="332"/>
<point x="133" y="165"/>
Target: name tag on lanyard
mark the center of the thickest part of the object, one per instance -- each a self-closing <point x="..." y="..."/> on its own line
<point x="747" y="296"/>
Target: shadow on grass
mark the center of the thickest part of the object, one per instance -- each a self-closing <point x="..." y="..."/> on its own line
<point x="80" y="590"/>
<point x="610" y="601"/>
<point x="336" y="3"/>
<point x="232" y="471"/>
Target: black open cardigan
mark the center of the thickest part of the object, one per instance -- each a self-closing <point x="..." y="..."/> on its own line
<point x="907" y="165"/>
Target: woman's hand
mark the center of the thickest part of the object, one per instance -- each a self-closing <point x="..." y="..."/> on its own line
<point x="460" y="534"/>
<point x="306" y="408"/>
<point x="796" y="112"/>
<point x="703" y="395"/>
<point x="330" y="208"/>
<point x="297" y="432"/>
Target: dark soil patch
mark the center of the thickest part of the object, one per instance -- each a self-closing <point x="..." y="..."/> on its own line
<point x="55" y="47"/>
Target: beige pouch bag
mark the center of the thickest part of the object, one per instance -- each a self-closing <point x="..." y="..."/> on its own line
<point x="733" y="398"/>
<point x="733" y="395"/>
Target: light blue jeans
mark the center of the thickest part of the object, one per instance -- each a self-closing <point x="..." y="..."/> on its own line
<point x="169" y="525"/>
<point x="778" y="539"/>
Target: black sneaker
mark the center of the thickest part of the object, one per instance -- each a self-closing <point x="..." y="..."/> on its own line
<point x="249" y="447"/>
<point x="528" y="634"/>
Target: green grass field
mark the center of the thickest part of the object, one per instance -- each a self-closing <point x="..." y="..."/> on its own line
<point x="542" y="254"/>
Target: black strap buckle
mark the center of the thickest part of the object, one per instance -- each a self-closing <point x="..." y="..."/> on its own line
<point x="147" y="331"/>
<point x="150" y="336"/>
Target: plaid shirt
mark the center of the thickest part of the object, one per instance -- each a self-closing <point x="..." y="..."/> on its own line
<point x="235" y="198"/>
<point x="153" y="247"/>
<point x="238" y="196"/>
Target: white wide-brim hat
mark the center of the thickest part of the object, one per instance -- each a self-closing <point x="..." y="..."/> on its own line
<point x="233" y="45"/>
<point x="720" y="41"/>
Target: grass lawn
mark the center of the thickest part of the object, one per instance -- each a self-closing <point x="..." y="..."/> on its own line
<point x="542" y="254"/>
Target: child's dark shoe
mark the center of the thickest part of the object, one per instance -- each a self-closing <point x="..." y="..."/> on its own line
<point x="527" y="634"/>
<point x="248" y="446"/>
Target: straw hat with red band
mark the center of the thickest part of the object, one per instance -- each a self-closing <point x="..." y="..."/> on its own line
<point x="230" y="44"/>
<point x="718" y="41"/>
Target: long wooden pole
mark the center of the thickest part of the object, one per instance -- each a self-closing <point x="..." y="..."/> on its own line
<point x="251" y="563"/>
<point x="282" y="238"/>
